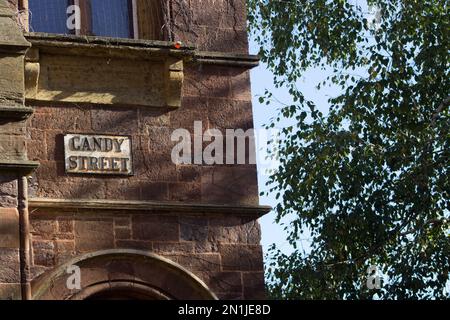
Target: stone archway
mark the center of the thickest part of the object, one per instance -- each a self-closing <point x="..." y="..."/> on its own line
<point x="120" y="290"/>
<point x="122" y="274"/>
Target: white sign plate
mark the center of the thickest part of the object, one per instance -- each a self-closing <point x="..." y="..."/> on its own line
<point x="98" y="154"/>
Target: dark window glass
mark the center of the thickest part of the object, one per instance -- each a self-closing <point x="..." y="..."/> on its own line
<point x="111" y="18"/>
<point x="48" y="16"/>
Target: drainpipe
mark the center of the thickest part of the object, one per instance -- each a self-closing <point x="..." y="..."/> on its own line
<point x="24" y="223"/>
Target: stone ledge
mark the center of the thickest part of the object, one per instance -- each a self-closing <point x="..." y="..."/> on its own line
<point x="101" y="46"/>
<point x="107" y="205"/>
<point x="15" y="113"/>
<point x="98" y="46"/>
<point x="21" y="166"/>
<point x="227" y="59"/>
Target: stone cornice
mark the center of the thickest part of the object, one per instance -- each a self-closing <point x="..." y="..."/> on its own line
<point x="103" y="46"/>
<point x="227" y="59"/>
<point x="140" y="206"/>
<point x="148" y="49"/>
<point x="23" y="167"/>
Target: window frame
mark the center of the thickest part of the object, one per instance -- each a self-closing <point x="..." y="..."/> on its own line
<point x="86" y="17"/>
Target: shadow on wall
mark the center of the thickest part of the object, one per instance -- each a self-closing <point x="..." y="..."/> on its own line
<point x="218" y="96"/>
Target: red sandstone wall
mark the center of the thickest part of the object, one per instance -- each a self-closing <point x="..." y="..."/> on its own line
<point x="212" y="25"/>
<point x="217" y="96"/>
<point x="222" y="250"/>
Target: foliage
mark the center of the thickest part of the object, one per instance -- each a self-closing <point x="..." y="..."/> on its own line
<point x="369" y="180"/>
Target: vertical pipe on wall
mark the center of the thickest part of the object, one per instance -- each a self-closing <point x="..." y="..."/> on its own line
<point x="24" y="238"/>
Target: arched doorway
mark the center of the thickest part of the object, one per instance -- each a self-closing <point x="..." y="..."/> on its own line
<point x="122" y="275"/>
<point x="120" y="290"/>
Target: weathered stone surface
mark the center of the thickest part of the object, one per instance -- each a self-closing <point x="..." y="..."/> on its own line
<point x="12" y="147"/>
<point x="154" y="190"/>
<point x="56" y="118"/>
<point x="124" y="222"/>
<point x="234" y="230"/>
<point x="225" y="40"/>
<point x="68" y="78"/>
<point x="200" y="261"/>
<point x="122" y="233"/>
<point x="134" y="244"/>
<point x="43" y="245"/>
<point x="196" y="229"/>
<point x="44" y="258"/>
<point x="11" y="79"/>
<point x="193" y="109"/>
<point x="223" y="281"/>
<point x="189" y="173"/>
<point x="238" y="184"/>
<point x="9" y="228"/>
<point x="230" y="114"/>
<point x="213" y="25"/>
<point x="123" y="189"/>
<point x="79" y="189"/>
<point x="219" y="13"/>
<point x="193" y="228"/>
<point x="207" y="81"/>
<point x="8" y="191"/>
<point x="113" y="120"/>
<point x="9" y="265"/>
<point x="36" y="146"/>
<point x="36" y="271"/>
<point x="153" y="167"/>
<point x="241" y="257"/>
<point x="240" y="84"/>
<point x="173" y="247"/>
<point x="158" y="139"/>
<point x="10" y="291"/>
<point x="186" y="192"/>
<point x="156" y="228"/>
<point x="65" y="246"/>
<point x="11" y="35"/>
<point x="65" y="226"/>
<point x="152" y="118"/>
<point x="93" y="235"/>
<point x="50" y="169"/>
<point x="45" y="229"/>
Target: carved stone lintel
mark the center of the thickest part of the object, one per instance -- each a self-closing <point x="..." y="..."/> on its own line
<point x="126" y="73"/>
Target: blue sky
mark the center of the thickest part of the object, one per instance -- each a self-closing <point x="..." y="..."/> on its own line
<point x="261" y="79"/>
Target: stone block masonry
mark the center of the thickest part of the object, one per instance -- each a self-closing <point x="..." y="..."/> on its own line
<point x="165" y="230"/>
<point x="222" y="250"/>
<point x="207" y="97"/>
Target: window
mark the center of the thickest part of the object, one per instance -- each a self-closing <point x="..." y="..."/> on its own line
<point x="112" y="18"/>
<point x="48" y="15"/>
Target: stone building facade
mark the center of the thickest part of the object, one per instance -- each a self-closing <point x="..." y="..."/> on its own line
<point x="167" y="230"/>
